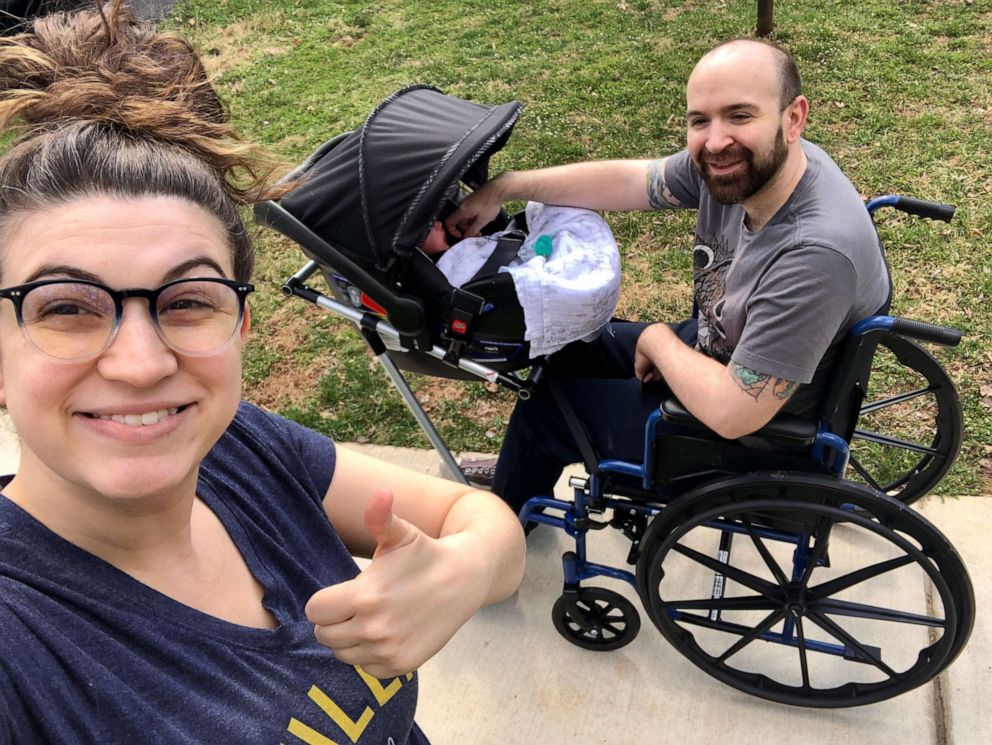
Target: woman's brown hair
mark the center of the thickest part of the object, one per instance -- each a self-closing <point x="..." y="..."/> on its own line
<point x="106" y="105"/>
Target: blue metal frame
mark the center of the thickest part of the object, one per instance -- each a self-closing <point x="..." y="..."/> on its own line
<point x="573" y="517"/>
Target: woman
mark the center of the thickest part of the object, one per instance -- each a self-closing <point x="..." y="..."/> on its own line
<point x="175" y="564"/>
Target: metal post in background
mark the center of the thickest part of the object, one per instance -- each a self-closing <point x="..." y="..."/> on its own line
<point x="766" y="9"/>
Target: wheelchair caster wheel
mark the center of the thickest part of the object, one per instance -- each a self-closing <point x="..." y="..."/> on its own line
<point x="597" y="619"/>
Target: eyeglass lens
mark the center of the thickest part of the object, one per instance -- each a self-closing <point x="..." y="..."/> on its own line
<point x="72" y="320"/>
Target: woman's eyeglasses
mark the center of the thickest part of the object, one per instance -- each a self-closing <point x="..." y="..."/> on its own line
<point x="74" y="319"/>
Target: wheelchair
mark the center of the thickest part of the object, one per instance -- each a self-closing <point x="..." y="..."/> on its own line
<point x="776" y="569"/>
<point x="768" y="570"/>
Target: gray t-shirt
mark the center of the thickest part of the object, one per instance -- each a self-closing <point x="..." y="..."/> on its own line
<point x="778" y="300"/>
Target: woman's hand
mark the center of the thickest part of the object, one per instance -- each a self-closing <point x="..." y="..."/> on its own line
<point x="407" y="603"/>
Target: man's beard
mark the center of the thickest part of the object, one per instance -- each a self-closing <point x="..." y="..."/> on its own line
<point x="758" y="171"/>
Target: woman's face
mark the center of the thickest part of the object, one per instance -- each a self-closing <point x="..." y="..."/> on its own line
<point x="78" y="421"/>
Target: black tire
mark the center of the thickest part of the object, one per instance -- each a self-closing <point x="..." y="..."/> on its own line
<point x="600" y="620"/>
<point x="910" y="428"/>
<point x="836" y="639"/>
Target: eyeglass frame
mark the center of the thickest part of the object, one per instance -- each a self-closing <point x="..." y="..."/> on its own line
<point x="17" y="293"/>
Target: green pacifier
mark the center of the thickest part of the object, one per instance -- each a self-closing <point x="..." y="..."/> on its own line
<point x="543" y="247"/>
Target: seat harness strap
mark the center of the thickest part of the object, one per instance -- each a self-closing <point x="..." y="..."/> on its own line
<point x="507" y="247"/>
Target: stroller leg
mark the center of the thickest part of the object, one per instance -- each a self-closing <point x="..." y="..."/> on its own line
<point x="422" y="419"/>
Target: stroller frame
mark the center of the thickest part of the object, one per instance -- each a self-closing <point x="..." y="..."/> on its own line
<point x="375" y="330"/>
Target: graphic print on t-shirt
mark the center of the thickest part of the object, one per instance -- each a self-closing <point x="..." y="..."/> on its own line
<point x="711" y="259"/>
<point x="352" y="725"/>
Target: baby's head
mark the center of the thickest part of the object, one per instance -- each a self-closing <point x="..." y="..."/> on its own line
<point x="436" y="241"/>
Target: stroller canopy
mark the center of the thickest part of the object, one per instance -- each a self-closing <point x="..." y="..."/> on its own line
<point x="374" y="193"/>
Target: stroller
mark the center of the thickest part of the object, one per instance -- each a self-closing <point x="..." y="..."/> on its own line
<point x="833" y="633"/>
<point x="360" y="218"/>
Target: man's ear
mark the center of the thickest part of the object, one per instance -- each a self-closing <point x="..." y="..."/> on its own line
<point x="796" y="114"/>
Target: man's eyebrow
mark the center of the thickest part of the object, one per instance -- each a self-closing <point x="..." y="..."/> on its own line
<point x="742" y="105"/>
<point x="72" y="272"/>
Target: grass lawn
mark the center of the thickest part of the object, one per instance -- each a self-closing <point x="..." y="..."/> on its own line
<point x="900" y="96"/>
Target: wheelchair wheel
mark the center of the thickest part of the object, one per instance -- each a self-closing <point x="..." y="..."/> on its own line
<point x="805" y="590"/>
<point x="910" y="427"/>
<point x="597" y="619"/>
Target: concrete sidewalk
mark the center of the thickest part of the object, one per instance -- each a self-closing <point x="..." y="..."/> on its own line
<point x="508" y="677"/>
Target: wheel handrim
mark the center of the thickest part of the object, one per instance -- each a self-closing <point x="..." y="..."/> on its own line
<point x="923" y="417"/>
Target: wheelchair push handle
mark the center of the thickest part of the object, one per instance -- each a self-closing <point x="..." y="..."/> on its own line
<point x="944" y="335"/>
<point x="912" y="206"/>
<point x="907" y="327"/>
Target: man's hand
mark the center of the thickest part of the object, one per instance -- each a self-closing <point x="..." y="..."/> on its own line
<point x="647" y="350"/>
<point x="404" y="607"/>
<point x="475" y="211"/>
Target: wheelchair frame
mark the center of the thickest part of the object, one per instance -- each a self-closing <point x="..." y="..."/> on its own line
<point x="789" y="500"/>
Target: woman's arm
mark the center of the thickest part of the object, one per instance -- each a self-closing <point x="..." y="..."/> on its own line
<point x="440" y="551"/>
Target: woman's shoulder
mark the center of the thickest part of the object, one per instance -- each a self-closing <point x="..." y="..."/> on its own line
<point x="260" y="432"/>
<point x="261" y="452"/>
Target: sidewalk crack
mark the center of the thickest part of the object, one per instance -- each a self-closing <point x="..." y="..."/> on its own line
<point x="941" y="713"/>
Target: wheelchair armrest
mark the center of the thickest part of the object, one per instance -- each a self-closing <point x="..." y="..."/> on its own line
<point x="787" y="429"/>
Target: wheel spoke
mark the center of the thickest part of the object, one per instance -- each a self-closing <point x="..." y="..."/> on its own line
<point x="748" y="580"/>
<point x="894" y="442"/>
<point x="875" y="613"/>
<point x="770" y="620"/>
<point x="897" y="399"/>
<point x="751" y="602"/>
<point x="821" y="537"/>
<point x="849" y="580"/>
<point x="759" y="544"/>
<point x="803" y="662"/>
<point x="847" y="640"/>
<point x="856" y="465"/>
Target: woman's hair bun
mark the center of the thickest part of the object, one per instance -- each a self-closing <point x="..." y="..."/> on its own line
<point x="107" y="67"/>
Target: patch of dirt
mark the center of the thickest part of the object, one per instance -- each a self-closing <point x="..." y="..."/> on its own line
<point x="236" y="45"/>
<point x="437" y="394"/>
<point x="288" y="382"/>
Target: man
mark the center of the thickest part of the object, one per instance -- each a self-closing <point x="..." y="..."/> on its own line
<point x="786" y="261"/>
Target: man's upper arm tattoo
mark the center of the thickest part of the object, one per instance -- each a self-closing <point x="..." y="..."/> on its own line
<point x="753" y="383"/>
<point x="659" y="195"/>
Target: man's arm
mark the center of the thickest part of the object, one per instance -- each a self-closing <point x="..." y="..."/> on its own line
<point x="596" y="185"/>
<point x="732" y="400"/>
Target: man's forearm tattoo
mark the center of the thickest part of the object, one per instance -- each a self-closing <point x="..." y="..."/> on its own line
<point x="659" y="195"/>
<point x="753" y="383"/>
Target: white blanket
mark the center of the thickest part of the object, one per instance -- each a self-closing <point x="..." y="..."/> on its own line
<point x="565" y="297"/>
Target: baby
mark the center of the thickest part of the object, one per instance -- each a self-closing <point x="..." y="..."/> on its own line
<point x="437" y="241"/>
<point x="566" y="272"/>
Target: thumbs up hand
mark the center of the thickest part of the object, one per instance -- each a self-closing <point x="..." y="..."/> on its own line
<point x="405" y="605"/>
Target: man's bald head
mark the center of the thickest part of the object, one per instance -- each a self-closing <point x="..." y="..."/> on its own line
<point x="757" y="52"/>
